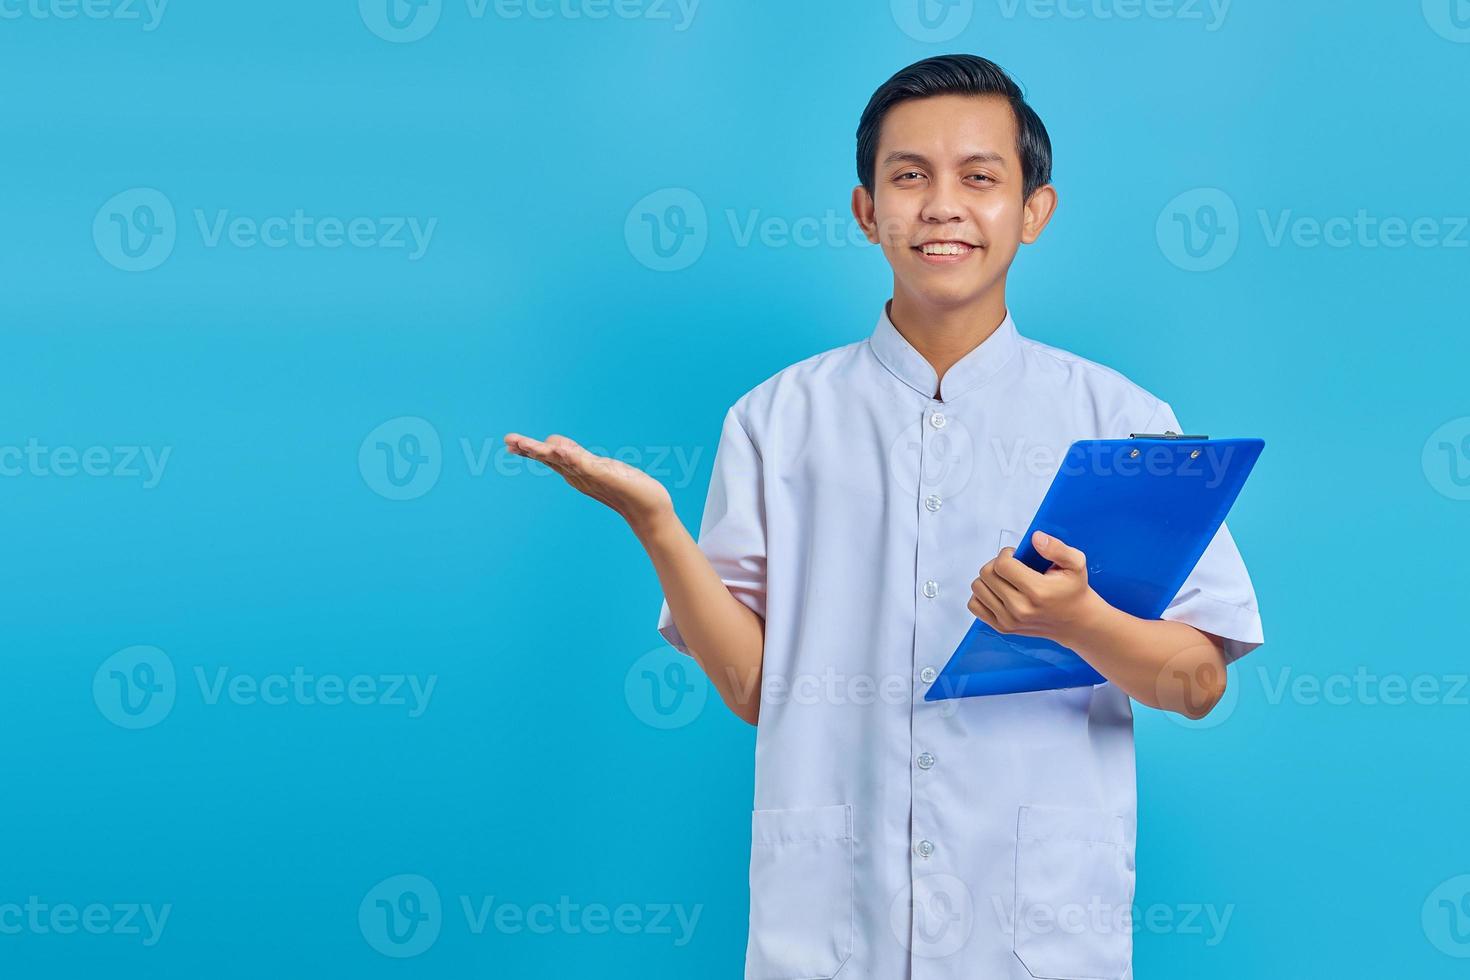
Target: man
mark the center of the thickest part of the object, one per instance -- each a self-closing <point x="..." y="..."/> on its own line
<point x="853" y="495"/>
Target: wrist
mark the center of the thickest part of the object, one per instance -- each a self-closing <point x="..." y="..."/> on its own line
<point x="659" y="524"/>
<point x="1090" y="619"/>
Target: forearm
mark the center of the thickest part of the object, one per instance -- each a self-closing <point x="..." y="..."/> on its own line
<point x="1166" y="665"/>
<point x="725" y="636"/>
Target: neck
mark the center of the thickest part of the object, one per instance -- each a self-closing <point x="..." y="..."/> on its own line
<point x="946" y="334"/>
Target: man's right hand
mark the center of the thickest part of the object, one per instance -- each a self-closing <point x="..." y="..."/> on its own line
<point x="639" y="498"/>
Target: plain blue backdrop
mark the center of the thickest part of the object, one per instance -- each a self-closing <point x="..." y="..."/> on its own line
<point x="253" y="495"/>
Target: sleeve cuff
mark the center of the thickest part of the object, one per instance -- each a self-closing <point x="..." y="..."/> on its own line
<point x="754" y="601"/>
<point x="1239" y="626"/>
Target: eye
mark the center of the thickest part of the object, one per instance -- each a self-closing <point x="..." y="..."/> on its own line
<point x="908" y="173"/>
<point x="984" y="178"/>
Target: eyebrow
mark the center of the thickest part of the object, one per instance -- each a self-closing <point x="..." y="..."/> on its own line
<point x="908" y="156"/>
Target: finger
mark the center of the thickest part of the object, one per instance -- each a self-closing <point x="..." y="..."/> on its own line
<point x="556" y="451"/>
<point x="987" y="598"/>
<point x="1016" y="599"/>
<point x="1016" y="574"/>
<point x="1058" y="552"/>
<point x="982" y="613"/>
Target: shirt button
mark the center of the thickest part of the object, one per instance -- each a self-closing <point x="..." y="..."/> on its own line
<point x="925" y="848"/>
<point x="937" y="420"/>
<point x="931" y="589"/>
<point x="932" y="503"/>
<point x="928" y="674"/>
<point x="926" y="760"/>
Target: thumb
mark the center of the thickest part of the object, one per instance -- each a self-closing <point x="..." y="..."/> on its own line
<point x="1058" y="552"/>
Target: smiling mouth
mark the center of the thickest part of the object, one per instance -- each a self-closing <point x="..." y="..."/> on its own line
<point x="945" y="248"/>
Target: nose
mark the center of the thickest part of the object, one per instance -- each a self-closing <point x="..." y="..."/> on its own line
<point x="942" y="204"/>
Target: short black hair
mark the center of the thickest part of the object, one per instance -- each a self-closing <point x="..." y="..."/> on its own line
<point x="956" y="74"/>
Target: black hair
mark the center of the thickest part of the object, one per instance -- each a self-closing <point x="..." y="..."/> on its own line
<point x="956" y="74"/>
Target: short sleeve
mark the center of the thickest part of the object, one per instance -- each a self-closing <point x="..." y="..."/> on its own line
<point x="732" y="534"/>
<point x="1217" y="597"/>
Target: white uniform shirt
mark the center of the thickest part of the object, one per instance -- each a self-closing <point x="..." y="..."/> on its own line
<point x="988" y="837"/>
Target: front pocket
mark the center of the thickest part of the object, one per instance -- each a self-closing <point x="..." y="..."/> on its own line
<point x="1074" y="893"/>
<point x="800" y="893"/>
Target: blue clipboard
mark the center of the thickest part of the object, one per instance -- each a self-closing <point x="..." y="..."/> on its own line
<point x="1143" y="510"/>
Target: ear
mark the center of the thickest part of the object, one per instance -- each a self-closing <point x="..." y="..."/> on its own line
<point x="1039" y="209"/>
<point x="863" y="209"/>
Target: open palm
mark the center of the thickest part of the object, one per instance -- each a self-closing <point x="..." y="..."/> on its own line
<point x="638" y="497"/>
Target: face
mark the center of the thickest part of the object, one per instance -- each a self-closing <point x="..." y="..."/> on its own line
<point x="947" y="205"/>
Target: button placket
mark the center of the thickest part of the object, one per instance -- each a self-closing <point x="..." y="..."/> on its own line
<point x="924" y="816"/>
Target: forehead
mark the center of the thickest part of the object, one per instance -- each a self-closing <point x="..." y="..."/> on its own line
<point x="950" y="126"/>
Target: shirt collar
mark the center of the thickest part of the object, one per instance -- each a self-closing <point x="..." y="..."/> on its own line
<point x="970" y="371"/>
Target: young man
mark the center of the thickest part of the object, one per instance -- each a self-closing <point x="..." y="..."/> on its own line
<point x="854" y="494"/>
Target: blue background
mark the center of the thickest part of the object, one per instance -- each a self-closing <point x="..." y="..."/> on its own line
<point x="534" y="772"/>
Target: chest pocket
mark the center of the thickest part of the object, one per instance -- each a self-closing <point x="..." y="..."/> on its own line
<point x="1074" y="893"/>
<point x="801" y="893"/>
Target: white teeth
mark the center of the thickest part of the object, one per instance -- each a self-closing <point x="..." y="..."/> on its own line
<point x="944" y="248"/>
